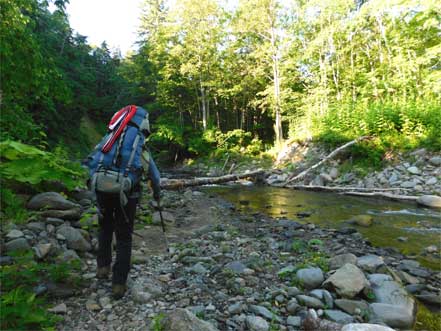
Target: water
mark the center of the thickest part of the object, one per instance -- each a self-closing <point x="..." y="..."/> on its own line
<point x="392" y="220"/>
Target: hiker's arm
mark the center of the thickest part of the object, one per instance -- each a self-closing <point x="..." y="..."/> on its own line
<point x="155" y="178"/>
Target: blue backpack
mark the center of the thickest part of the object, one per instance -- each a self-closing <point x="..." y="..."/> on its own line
<point x="115" y="165"/>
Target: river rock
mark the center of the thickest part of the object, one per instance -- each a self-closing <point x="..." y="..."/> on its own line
<point x="432" y="201"/>
<point x="370" y="263"/>
<point x="324" y="296"/>
<point x="339" y="261"/>
<point x="362" y="220"/>
<point x="394" y="306"/>
<point x="256" y="323"/>
<point x="50" y="200"/>
<point x="408" y="184"/>
<point x="68" y="256"/>
<point x="310" y="277"/>
<point x="338" y="316"/>
<point x="294" y="321"/>
<point x="14" y="234"/>
<point x="350" y="306"/>
<point x="431" y="181"/>
<point x="19" y="244"/>
<point x="430" y="298"/>
<point x="436" y="160"/>
<point x="292" y="306"/>
<point x="334" y="173"/>
<point x="265" y="313"/>
<point x="59" y="309"/>
<point x="68" y="214"/>
<point x="392" y="315"/>
<point x="236" y="266"/>
<point x="182" y="319"/>
<point x="145" y="290"/>
<point x="310" y="302"/>
<point x="414" y="170"/>
<point x="347" y="281"/>
<point x="36" y="226"/>
<point x="326" y="178"/>
<point x="168" y="218"/>
<point x="74" y="238"/>
<point x="365" y="327"/>
<point x="42" y="250"/>
<point x="54" y="221"/>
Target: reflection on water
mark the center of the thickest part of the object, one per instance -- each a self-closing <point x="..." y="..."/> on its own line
<point x="391" y="219"/>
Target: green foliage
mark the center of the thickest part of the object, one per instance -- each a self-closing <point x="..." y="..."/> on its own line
<point x="29" y="165"/>
<point x="21" y="310"/>
<point x="19" y="307"/>
<point x="157" y="322"/>
<point x="12" y="206"/>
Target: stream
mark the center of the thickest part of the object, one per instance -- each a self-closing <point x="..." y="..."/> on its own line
<point x="402" y="226"/>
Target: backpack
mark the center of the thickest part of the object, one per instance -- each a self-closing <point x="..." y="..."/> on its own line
<point x="115" y="166"/>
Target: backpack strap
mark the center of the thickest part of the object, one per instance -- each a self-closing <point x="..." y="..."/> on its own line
<point x="132" y="154"/>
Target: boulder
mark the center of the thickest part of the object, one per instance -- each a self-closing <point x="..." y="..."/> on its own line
<point x="347" y="281"/>
<point x="393" y="305"/>
<point x="182" y="319"/>
<point x="365" y="327"/>
<point x="370" y="263"/>
<point x="333" y="172"/>
<point x="19" y="244"/>
<point x="339" y="261"/>
<point x="392" y="315"/>
<point x="74" y="238"/>
<point x="432" y="201"/>
<point x="310" y="278"/>
<point x="50" y="200"/>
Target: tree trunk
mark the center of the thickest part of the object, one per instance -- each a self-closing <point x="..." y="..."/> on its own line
<point x="276" y="78"/>
<point x="172" y="184"/>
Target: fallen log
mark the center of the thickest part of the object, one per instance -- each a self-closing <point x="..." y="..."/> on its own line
<point x="389" y="196"/>
<point x="341" y="188"/>
<point x="173" y="184"/>
<point x="330" y="156"/>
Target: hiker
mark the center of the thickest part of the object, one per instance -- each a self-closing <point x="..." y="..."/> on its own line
<point x="117" y="166"/>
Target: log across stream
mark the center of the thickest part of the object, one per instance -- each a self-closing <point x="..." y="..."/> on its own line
<point x="400" y="225"/>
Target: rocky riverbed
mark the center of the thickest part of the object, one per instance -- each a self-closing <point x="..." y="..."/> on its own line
<point x="226" y="271"/>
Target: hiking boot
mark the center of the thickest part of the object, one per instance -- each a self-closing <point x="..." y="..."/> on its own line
<point x="118" y="291"/>
<point x="103" y="272"/>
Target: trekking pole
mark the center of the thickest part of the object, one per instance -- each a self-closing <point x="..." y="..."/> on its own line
<point x="163" y="225"/>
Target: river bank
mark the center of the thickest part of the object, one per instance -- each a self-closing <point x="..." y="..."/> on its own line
<point x="237" y="271"/>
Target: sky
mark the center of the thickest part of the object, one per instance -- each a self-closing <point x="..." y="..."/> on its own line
<point x="114" y="21"/>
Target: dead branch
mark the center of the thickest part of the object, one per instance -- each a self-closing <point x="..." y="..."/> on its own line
<point x="330" y="156"/>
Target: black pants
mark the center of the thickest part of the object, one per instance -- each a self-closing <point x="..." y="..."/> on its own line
<point x="112" y="220"/>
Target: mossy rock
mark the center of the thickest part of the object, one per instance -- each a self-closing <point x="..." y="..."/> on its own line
<point x="362" y="220"/>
